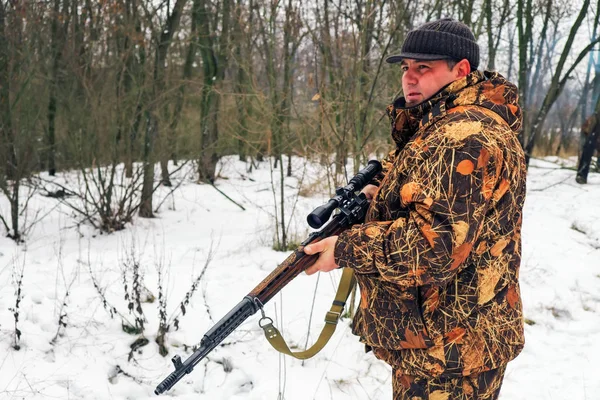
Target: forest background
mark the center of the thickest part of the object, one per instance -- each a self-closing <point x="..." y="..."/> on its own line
<point x="90" y="85"/>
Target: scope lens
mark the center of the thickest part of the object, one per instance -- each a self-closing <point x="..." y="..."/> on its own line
<point x="314" y="221"/>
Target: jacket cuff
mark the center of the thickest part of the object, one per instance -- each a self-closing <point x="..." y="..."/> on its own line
<point x="361" y="247"/>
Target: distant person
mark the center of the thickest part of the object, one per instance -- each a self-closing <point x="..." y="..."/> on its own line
<point x="437" y="258"/>
<point x="591" y="133"/>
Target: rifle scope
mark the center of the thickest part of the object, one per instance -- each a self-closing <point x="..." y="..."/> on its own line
<point x="321" y="214"/>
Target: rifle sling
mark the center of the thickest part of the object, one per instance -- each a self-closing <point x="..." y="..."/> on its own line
<point x="347" y="283"/>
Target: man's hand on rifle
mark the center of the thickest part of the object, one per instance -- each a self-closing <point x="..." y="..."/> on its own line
<point x="370" y="191"/>
<point x="326" y="261"/>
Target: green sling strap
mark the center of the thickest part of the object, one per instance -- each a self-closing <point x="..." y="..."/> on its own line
<point x="347" y="283"/>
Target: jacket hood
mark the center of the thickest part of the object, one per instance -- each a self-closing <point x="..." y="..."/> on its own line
<point x="492" y="91"/>
<point x="487" y="89"/>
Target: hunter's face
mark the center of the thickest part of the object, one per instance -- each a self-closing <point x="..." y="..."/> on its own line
<point x="422" y="79"/>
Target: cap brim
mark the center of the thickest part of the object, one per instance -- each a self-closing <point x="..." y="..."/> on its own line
<point x="415" y="56"/>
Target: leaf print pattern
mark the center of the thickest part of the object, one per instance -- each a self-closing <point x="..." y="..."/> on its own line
<point x="483" y="386"/>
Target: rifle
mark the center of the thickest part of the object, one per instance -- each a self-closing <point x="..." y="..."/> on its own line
<point x="352" y="209"/>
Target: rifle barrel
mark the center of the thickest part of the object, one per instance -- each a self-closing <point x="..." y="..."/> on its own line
<point x="211" y="339"/>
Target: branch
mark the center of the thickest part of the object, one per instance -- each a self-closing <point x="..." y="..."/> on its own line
<point x="227" y="197"/>
<point x="5" y="224"/>
<point x="174" y="188"/>
<point x="578" y="60"/>
<point x="373" y="85"/>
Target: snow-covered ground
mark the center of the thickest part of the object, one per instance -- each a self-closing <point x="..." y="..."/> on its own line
<point x="197" y="226"/>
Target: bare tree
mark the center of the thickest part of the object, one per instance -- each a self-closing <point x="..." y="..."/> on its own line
<point x="60" y="26"/>
<point x="494" y="28"/>
<point x="558" y="81"/>
<point x="162" y="41"/>
<point x="524" y="29"/>
<point x="214" y="53"/>
<point x="18" y="116"/>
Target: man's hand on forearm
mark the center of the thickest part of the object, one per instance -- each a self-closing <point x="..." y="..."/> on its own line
<point x="326" y="260"/>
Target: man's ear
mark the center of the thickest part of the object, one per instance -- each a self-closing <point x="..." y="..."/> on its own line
<point x="462" y="68"/>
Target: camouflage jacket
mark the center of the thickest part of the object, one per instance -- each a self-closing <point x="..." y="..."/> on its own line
<point x="437" y="259"/>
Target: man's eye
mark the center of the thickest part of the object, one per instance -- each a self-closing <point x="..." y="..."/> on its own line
<point x="423" y="66"/>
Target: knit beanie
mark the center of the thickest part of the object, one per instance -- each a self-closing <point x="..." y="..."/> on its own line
<point x="439" y="40"/>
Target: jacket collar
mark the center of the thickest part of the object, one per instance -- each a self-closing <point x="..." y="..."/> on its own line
<point x="406" y="121"/>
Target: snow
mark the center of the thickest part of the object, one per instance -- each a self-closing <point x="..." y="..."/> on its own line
<point x="197" y="226"/>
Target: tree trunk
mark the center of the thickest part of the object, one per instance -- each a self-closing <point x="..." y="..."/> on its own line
<point x="533" y="85"/>
<point x="128" y="110"/>
<point x="214" y="61"/>
<point x="493" y="43"/>
<point x="180" y="100"/>
<point x="586" y="83"/>
<point x="8" y="156"/>
<point x="524" y="28"/>
<point x="366" y="27"/>
<point x="134" y="75"/>
<point x="14" y="210"/>
<point x="57" y="45"/>
<point x="145" y="210"/>
<point x="243" y="85"/>
<point x="207" y="165"/>
<point x="9" y="166"/>
<point x="162" y="47"/>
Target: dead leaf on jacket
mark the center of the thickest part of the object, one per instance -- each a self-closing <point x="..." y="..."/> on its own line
<point x="487" y="186"/>
<point x="481" y="248"/>
<point x="467" y="388"/>
<point x="455" y="335"/>
<point x="429" y="234"/>
<point x="461" y="228"/>
<point x="502" y="188"/>
<point x="363" y="298"/>
<point x="372" y="232"/>
<point x="428" y="201"/>
<point x="460" y="254"/>
<point x="494" y="93"/>
<point x="497" y="248"/>
<point x="465" y="167"/>
<point x="463" y="129"/>
<point x="437" y="352"/>
<point x="513" y="109"/>
<point x="488" y="278"/>
<point x="512" y="296"/>
<point x="439" y="395"/>
<point x="483" y="159"/>
<point x="408" y="192"/>
<point x="413" y="340"/>
<point x="432" y="299"/>
<point x="473" y="353"/>
<point x="405" y="380"/>
<point x="401" y="120"/>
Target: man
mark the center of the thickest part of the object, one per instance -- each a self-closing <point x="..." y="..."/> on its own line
<point x="591" y="133"/>
<point x="437" y="258"/>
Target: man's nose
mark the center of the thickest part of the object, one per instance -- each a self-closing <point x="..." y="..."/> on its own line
<point x="409" y="77"/>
